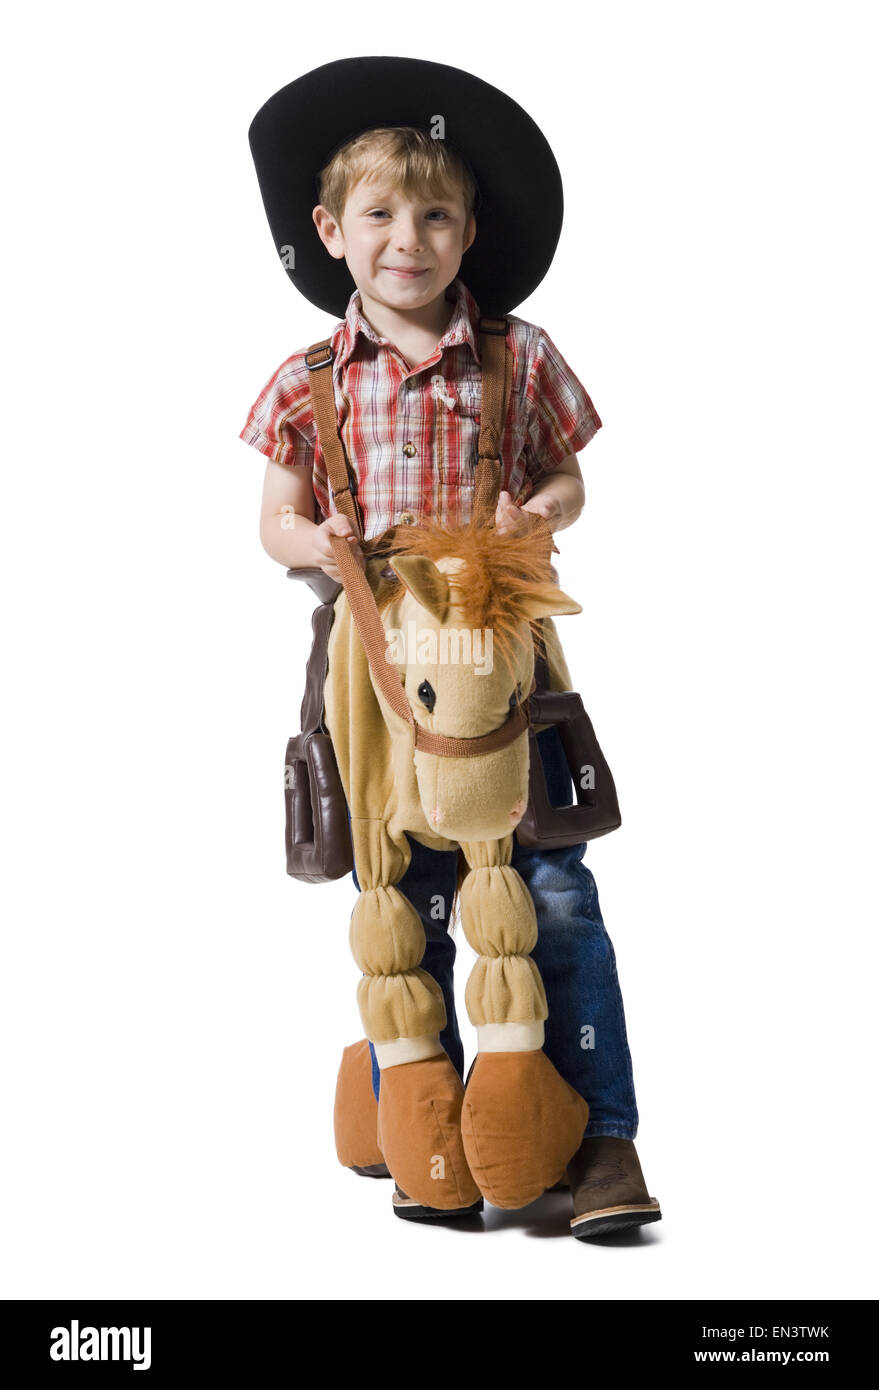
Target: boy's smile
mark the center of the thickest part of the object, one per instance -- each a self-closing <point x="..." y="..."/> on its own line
<point x="403" y="252"/>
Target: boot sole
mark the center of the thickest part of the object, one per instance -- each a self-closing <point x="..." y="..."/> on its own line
<point x="601" y="1223"/>
<point x="410" y="1210"/>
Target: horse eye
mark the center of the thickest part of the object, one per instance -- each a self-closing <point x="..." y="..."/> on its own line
<point x="516" y="695"/>
<point x="427" y="695"/>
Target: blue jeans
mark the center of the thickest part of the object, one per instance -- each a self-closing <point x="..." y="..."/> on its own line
<point x="586" y="1028"/>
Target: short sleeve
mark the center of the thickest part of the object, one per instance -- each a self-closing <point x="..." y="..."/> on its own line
<point x="560" y="414"/>
<point x="280" y="422"/>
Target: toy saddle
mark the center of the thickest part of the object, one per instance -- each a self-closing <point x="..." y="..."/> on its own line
<point x="317" y="835"/>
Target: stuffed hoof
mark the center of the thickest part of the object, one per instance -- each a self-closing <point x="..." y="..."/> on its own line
<point x="521" y="1123"/>
<point x="355" y="1113"/>
<point x="420" y="1133"/>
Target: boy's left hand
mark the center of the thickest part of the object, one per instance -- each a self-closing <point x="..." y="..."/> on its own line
<point x="509" y="519"/>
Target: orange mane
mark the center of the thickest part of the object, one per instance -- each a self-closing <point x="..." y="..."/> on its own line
<point x="499" y="574"/>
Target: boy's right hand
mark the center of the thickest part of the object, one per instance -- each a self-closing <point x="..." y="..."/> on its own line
<point x="336" y="525"/>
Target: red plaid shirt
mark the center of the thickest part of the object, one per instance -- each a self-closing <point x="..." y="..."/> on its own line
<point x="411" y="433"/>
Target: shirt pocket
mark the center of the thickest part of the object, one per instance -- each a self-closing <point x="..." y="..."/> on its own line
<point x="457" y="395"/>
<point x="458" y="405"/>
<point x="457" y="402"/>
<point x="514" y="439"/>
<point x="467" y="393"/>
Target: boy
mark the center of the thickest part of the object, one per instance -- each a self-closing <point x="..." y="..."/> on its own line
<point x="398" y="207"/>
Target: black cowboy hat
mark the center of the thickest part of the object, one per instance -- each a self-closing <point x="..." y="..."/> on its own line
<point x="520" y="206"/>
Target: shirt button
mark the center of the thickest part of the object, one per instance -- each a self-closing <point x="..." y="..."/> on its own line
<point x="409" y="450"/>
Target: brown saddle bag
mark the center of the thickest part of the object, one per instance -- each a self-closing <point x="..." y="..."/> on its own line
<point x="317" y="837"/>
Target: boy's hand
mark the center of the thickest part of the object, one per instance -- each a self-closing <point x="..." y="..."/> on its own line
<point x="509" y="518"/>
<point x="336" y="525"/>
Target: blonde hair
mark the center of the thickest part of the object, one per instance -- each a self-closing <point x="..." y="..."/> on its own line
<point x="409" y="157"/>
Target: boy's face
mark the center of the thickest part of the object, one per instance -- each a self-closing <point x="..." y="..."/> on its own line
<point x="402" y="252"/>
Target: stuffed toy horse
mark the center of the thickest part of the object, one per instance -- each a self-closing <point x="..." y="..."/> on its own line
<point x="426" y="711"/>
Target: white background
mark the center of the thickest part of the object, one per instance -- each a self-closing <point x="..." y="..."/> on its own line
<point x="173" y="1006"/>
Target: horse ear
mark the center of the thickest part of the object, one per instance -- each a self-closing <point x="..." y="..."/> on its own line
<point x="427" y="585"/>
<point x="548" y="600"/>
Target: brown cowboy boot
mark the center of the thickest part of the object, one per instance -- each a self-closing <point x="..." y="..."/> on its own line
<point x="608" y="1188"/>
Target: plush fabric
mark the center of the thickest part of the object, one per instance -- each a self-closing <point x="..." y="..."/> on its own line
<point x="520" y="1125"/>
<point x="355" y="1112"/>
<point x="419" y="1133"/>
<point x="471" y="803"/>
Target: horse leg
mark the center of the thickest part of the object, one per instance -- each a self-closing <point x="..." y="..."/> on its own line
<point x="403" y="1013"/>
<point x="355" y="1113"/>
<point x="521" y="1122"/>
<point x="402" y="1007"/>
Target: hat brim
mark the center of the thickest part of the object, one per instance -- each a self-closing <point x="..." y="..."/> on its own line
<point x="519" y="217"/>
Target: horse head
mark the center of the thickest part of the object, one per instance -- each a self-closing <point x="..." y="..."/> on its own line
<point x="463" y="616"/>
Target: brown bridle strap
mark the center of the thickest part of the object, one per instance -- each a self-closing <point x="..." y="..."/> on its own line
<point x="319" y="361"/>
<point x="367" y="620"/>
<point x="497" y="382"/>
